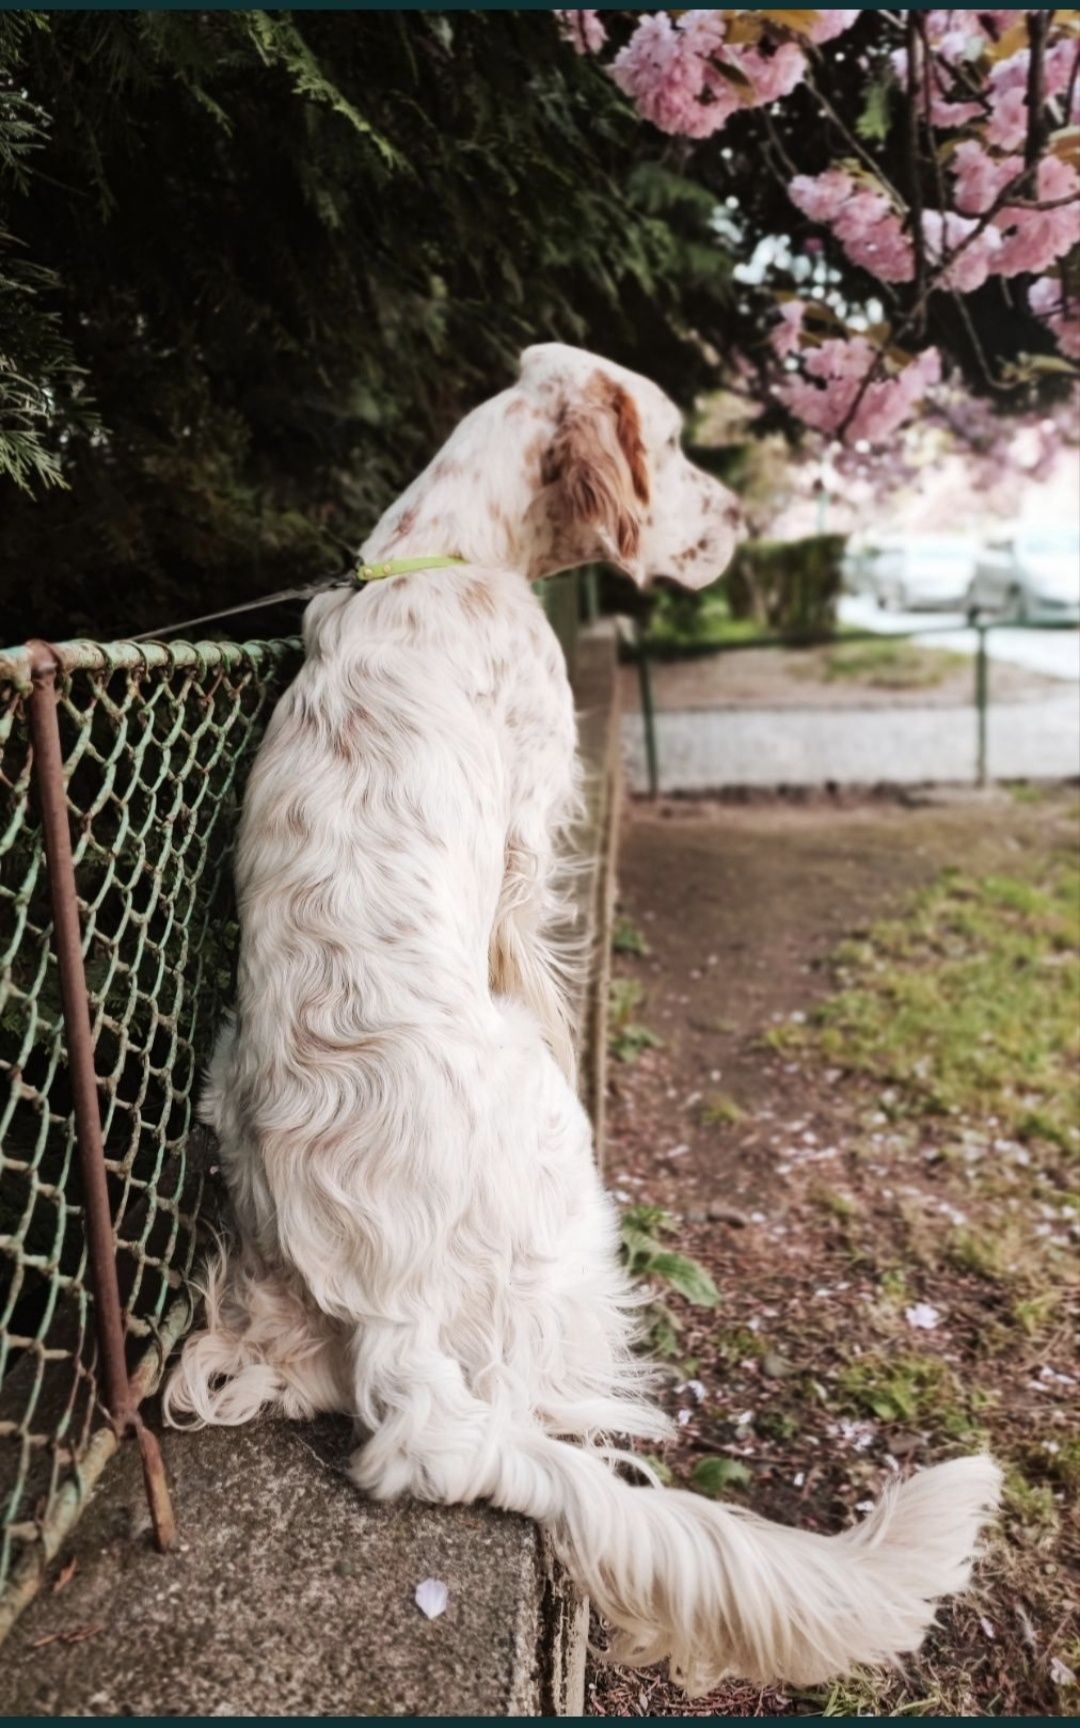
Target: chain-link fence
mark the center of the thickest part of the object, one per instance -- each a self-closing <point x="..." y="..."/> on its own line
<point x="156" y="742"/>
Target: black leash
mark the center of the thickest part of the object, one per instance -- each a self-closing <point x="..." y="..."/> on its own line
<point x="345" y="580"/>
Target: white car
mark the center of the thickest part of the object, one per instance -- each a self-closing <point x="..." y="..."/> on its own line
<point x="921" y="572"/>
<point x="1031" y="573"/>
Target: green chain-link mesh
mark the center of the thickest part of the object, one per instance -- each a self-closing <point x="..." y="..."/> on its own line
<point x="156" y="743"/>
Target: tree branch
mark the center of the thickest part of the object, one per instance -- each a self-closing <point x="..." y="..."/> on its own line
<point x="912" y="43"/>
<point x="853" y="143"/>
<point x="1038" y="30"/>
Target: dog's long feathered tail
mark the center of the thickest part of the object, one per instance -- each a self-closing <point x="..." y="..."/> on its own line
<point x="715" y="1589"/>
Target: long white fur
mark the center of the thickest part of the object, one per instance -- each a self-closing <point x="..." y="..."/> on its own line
<point x="424" y="1240"/>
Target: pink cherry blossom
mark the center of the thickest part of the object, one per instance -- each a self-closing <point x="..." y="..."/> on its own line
<point x="862" y="219"/>
<point x="945" y="113"/>
<point x="977" y="252"/>
<point x="1034" y="239"/>
<point x="956" y="35"/>
<point x="674" y="71"/>
<point x="863" y="209"/>
<point x="1008" y="123"/>
<point x="884" y="249"/>
<point x="773" y="75"/>
<point x="1012" y="74"/>
<point x="689" y="78"/>
<point x="1046" y="297"/>
<point x="980" y="177"/>
<point x="785" y="336"/>
<point x="584" y="29"/>
<point x="834" y="390"/>
<point x="660" y="71"/>
<point x="821" y="196"/>
<point x="944" y="109"/>
<point x="841" y="357"/>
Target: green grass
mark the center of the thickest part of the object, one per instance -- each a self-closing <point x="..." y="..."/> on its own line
<point x="628" y="1037"/>
<point x="968" y="1006"/>
<point x="864" y="1693"/>
<point x="891" y="665"/>
<point x="840" y="1206"/>
<point x="719" y="1108"/>
<point x="626" y="938"/>
<point x="910" y="1388"/>
<point x="1034" y="1314"/>
<point x="1035" y="1519"/>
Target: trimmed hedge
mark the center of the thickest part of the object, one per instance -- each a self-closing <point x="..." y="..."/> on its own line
<point x="791" y="586"/>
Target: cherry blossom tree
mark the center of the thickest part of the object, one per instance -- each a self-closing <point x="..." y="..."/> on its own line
<point x="941" y="199"/>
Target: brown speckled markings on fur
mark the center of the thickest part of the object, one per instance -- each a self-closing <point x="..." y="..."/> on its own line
<point x="425" y="1240"/>
<point x="478" y="601"/>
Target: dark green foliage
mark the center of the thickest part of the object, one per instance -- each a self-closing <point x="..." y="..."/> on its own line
<point x="788" y="585"/>
<point x="265" y="261"/>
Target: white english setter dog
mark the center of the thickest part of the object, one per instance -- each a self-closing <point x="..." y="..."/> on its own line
<point x="424" y="1239"/>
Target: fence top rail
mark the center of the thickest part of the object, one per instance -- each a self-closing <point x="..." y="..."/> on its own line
<point x="126" y="656"/>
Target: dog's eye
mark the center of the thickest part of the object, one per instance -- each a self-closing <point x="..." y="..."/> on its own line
<point x="673" y="441"/>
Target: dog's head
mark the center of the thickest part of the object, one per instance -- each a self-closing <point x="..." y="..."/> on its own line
<point x="613" y="481"/>
<point x="578" y="461"/>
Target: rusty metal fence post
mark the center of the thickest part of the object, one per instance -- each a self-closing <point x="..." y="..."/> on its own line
<point x="48" y="769"/>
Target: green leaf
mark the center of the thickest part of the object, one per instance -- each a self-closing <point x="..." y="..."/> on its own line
<point x="663" y="1331"/>
<point x="714" y="1476"/>
<point x="736" y="76"/>
<point x="873" y="122"/>
<point x="628" y="1043"/>
<point x="686" y="1276"/>
<point x="659" y="1467"/>
<point x="1047" y="363"/>
<point x="626" y="938"/>
<point x="639" y="1245"/>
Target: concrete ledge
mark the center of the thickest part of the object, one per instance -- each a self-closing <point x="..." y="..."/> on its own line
<point x="290" y="1594"/>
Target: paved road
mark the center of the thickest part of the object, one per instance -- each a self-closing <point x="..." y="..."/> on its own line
<point x="1055" y="653"/>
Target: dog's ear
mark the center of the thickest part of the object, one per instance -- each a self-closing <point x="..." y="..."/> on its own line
<point x="597" y="459"/>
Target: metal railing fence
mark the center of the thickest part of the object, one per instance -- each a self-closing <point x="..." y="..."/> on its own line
<point x="150" y="748"/>
<point x="636" y="645"/>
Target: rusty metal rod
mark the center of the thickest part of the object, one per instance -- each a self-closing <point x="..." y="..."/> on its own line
<point x="48" y="768"/>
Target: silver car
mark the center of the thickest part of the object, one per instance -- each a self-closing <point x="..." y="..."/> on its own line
<point x="920" y="572"/>
<point x="1031" y="573"/>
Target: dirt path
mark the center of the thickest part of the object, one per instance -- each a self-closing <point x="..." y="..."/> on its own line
<point x="817" y="1210"/>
